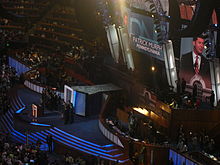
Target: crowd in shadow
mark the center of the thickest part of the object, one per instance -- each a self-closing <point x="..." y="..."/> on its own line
<point x="20" y="154"/>
<point x="50" y="100"/>
<point x="196" y="142"/>
<point x="7" y="81"/>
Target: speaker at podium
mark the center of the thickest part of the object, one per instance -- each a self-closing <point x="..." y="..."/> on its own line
<point x="37" y="111"/>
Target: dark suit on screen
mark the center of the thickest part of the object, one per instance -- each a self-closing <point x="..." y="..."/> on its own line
<point x="187" y="70"/>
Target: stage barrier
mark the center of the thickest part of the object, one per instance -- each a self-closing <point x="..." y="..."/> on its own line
<point x="39" y="89"/>
<point x="178" y="158"/>
<point x="110" y="135"/>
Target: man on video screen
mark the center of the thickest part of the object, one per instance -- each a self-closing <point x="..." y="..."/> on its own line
<point x="194" y="67"/>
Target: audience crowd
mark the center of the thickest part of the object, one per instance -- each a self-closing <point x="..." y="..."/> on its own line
<point x="195" y="142"/>
<point x="8" y="79"/>
<point x="50" y="100"/>
<point x="11" y="36"/>
<point x="30" y="154"/>
<point x="56" y="32"/>
<point x="29" y="55"/>
<point x="26" y="8"/>
<point x="11" y="31"/>
<point x="20" y="154"/>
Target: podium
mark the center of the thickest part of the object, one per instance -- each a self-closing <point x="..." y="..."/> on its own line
<point x="37" y="111"/>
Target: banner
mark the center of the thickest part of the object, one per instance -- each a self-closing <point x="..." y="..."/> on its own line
<point x="147" y="46"/>
<point x="142" y="35"/>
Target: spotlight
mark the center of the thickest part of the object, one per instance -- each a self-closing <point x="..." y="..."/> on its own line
<point x="153" y="68"/>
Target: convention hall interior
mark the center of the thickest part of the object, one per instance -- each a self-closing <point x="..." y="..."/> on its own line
<point x="109" y="82"/>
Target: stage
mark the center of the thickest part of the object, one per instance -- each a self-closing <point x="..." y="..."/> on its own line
<point x="83" y="127"/>
<point x="81" y="138"/>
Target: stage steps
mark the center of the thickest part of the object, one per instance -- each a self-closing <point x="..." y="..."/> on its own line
<point x="109" y="152"/>
<point x="113" y="154"/>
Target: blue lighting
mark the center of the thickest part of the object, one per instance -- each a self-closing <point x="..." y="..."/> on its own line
<point x="9" y="121"/>
<point x="92" y="153"/>
<point x="18" y="137"/>
<point x="20" y="110"/>
<point x="21" y="101"/>
<point x="4" y="121"/>
<point x="15" y="131"/>
<point x="10" y="113"/>
<point x="39" y="124"/>
<point x="77" y="148"/>
<point x="15" y="137"/>
<point x="43" y="147"/>
<point x="81" y="147"/>
<point x="77" y="142"/>
<point x="108" y="145"/>
<point x="32" y="137"/>
<point x="6" y="126"/>
<point x="122" y="161"/>
<point x="40" y="136"/>
<point x="74" y="98"/>
<point x="23" y="137"/>
<point x="14" y="104"/>
<point x="59" y="135"/>
<point x="17" y="103"/>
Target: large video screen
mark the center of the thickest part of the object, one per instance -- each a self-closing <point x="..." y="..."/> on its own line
<point x="195" y="67"/>
<point x="147" y="53"/>
<point x="80" y="103"/>
<point x="143" y="37"/>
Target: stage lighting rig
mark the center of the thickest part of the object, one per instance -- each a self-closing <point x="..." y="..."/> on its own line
<point x="159" y="20"/>
<point x="209" y="43"/>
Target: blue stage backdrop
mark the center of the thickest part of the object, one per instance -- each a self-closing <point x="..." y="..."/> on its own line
<point x="19" y="67"/>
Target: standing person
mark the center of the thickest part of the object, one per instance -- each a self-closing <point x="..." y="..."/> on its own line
<point x="66" y="113"/>
<point x="195" y="93"/>
<point x="131" y="124"/>
<point x="183" y="85"/>
<point x="142" y="156"/>
<point x="71" y="113"/>
<point x="212" y="99"/>
<point x="178" y="86"/>
<point x="130" y="149"/>
<point x="50" y="142"/>
<point x="38" y="144"/>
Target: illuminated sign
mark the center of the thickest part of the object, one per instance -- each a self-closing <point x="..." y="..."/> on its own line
<point x="146" y="46"/>
<point x="143" y="37"/>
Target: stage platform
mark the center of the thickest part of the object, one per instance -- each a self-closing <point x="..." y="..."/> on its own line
<point x="82" y="137"/>
<point x="83" y="127"/>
